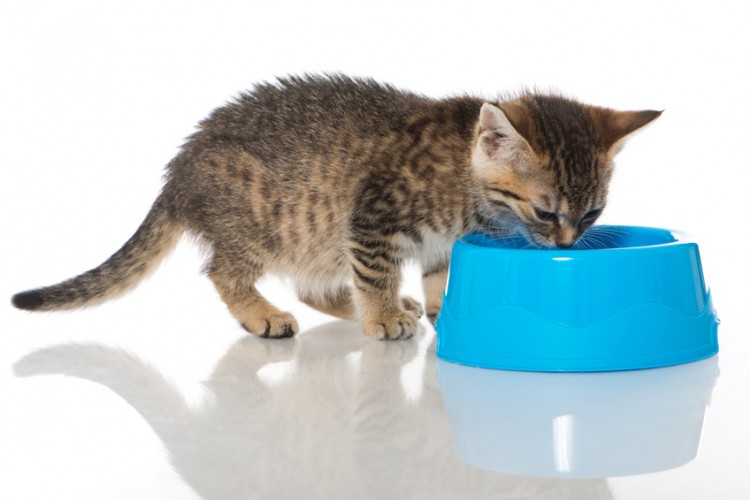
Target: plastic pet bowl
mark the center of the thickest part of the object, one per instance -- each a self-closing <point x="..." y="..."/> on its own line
<point x="622" y="298"/>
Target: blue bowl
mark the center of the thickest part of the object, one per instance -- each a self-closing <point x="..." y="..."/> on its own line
<point x="622" y="298"/>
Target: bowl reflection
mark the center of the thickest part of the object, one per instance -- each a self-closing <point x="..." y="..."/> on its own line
<point x="577" y="424"/>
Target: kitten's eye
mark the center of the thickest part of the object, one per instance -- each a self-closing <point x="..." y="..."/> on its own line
<point x="591" y="215"/>
<point x="544" y="215"/>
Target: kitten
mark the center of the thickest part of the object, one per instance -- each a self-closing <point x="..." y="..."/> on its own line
<point x="335" y="182"/>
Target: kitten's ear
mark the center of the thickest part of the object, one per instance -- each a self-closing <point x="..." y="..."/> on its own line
<point x="613" y="126"/>
<point x="498" y="137"/>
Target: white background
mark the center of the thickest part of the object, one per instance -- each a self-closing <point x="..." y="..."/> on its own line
<point x="96" y="97"/>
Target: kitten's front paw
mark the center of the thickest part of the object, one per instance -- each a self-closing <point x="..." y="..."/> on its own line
<point x="276" y="326"/>
<point x="395" y="326"/>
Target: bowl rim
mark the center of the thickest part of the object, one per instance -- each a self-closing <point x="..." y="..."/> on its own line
<point x="680" y="238"/>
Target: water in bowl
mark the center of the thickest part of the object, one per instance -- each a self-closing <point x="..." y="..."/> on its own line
<point x="596" y="238"/>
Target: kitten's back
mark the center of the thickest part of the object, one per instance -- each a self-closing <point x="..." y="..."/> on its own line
<point x="305" y="114"/>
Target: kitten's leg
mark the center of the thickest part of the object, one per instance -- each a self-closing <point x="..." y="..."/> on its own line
<point x="377" y="280"/>
<point x="341" y="304"/>
<point x="433" y="284"/>
<point x="413" y="306"/>
<point x="236" y="285"/>
<point x="337" y="304"/>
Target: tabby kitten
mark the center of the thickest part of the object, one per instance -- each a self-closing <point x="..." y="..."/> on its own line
<point x="335" y="182"/>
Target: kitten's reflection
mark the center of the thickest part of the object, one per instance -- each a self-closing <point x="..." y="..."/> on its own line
<point x="330" y="414"/>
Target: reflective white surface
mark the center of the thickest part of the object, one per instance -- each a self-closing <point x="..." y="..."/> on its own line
<point x="156" y="396"/>
<point x="578" y="424"/>
<point x="330" y="414"/>
<point x="333" y="414"/>
<point x="160" y="395"/>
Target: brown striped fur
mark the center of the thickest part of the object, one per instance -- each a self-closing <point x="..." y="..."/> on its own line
<point x="336" y="182"/>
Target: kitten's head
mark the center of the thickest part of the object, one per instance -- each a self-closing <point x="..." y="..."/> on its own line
<point x="545" y="162"/>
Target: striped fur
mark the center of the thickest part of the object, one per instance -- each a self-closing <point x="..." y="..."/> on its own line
<point x="336" y="182"/>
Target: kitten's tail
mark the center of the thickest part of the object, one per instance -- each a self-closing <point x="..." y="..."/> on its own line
<point x="157" y="235"/>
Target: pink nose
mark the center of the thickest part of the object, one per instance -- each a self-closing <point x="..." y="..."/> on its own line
<point x="566" y="237"/>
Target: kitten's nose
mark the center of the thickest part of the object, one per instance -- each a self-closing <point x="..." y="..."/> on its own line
<point x="566" y="238"/>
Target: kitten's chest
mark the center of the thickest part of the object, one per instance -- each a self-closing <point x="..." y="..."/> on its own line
<point x="431" y="250"/>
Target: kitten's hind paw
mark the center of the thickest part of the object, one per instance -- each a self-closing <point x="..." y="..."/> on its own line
<point x="277" y="326"/>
